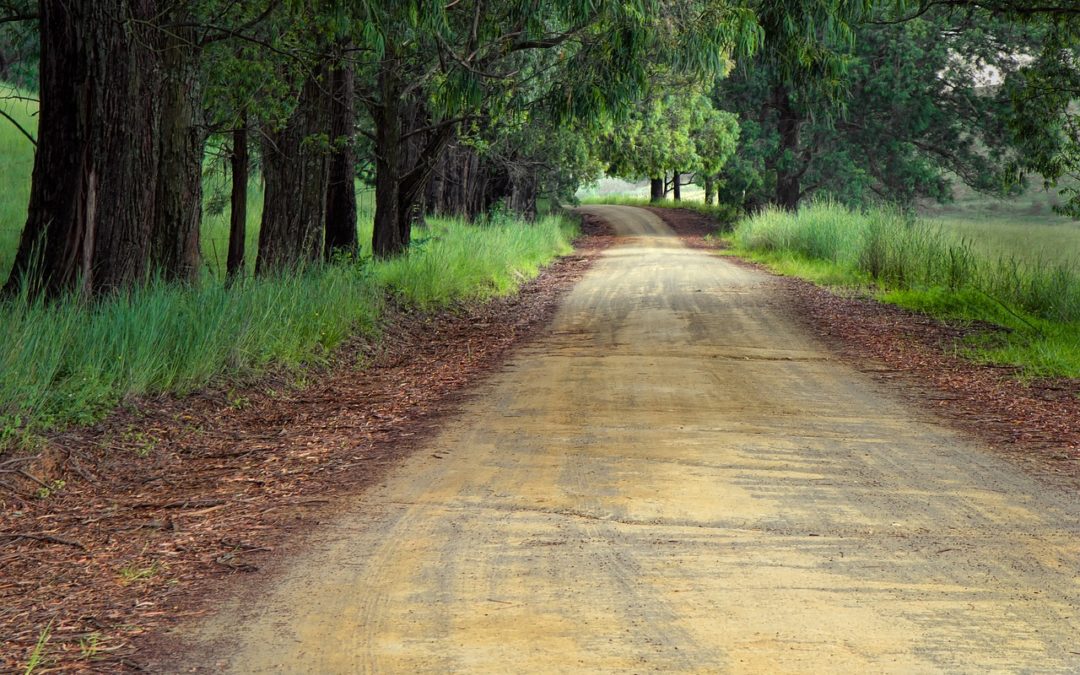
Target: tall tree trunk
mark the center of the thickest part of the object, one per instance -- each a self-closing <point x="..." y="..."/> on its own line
<point x="523" y="193"/>
<point x="421" y="166"/>
<point x="656" y="189"/>
<point x="676" y="185"/>
<point x="296" y="172"/>
<point x="402" y="165"/>
<point x="238" y="216"/>
<point x="341" y="195"/>
<point x="386" y="238"/>
<point x="178" y="203"/>
<point x="95" y="170"/>
<point x="787" y="175"/>
<point x="710" y="190"/>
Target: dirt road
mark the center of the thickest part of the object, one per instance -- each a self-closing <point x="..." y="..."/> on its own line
<point x="678" y="478"/>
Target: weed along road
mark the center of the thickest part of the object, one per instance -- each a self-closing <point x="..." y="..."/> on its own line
<point x="677" y="477"/>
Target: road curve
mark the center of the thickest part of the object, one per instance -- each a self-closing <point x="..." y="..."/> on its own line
<point x="677" y="477"/>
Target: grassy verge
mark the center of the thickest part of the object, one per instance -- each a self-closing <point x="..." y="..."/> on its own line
<point x="65" y="362"/>
<point x="723" y="214"/>
<point x="924" y="267"/>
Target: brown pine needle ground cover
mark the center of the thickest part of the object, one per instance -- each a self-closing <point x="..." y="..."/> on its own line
<point x="117" y="532"/>
<point x="1036" y="422"/>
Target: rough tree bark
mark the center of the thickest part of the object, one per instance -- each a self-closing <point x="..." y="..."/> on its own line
<point x="386" y="235"/>
<point x="523" y="192"/>
<point x="710" y="190"/>
<point x="178" y="202"/>
<point x="656" y="189"/>
<point x="676" y="186"/>
<point x="95" y="171"/>
<point x="788" y="190"/>
<point x="238" y="215"/>
<point x="341" y="190"/>
<point x="296" y="170"/>
<point x="403" y="162"/>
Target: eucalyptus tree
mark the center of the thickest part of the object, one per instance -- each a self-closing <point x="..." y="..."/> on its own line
<point x="805" y="55"/>
<point x="918" y="113"/>
<point x="434" y="65"/>
<point x="116" y="190"/>
<point x="97" y="156"/>
<point x="1043" y="94"/>
<point x="670" y="133"/>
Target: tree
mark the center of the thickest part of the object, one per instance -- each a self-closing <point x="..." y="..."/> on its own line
<point x="95" y="171"/>
<point x="117" y="187"/>
<point x="341" y="181"/>
<point x="805" y="55"/>
<point x="670" y="133"/>
<point x="915" y="115"/>
<point x="438" y="65"/>
<point x="1043" y="119"/>
<point x="296" y="169"/>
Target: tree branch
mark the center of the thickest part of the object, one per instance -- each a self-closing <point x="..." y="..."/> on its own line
<point x="18" y="126"/>
<point x="13" y="18"/>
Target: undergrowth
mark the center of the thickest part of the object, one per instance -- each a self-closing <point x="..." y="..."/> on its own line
<point x="918" y="265"/>
<point x="68" y="362"/>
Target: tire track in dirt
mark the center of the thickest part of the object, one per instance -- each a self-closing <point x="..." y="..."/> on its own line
<point x="677" y="477"/>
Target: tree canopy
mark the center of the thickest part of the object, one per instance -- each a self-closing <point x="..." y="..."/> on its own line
<point x="459" y="106"/>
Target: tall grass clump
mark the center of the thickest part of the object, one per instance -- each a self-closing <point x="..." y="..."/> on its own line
<point x="67" y="361"/>
<point x="918" y="264"/>
<point x="455" y="261"/>
<point x="71" y="361"/>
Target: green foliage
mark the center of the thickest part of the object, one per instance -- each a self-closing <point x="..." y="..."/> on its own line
<point x="922" y="266"/>
<point x="908" y="115"/>
<point x="1044" y="118"/>
<point x="19" y="48"/>
<point x="670" y="133"/>
<point x="16" y="165"/>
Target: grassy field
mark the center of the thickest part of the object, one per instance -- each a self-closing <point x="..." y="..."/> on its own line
<point x="1032" y="238"/>
<point x="930" y="267"/>
<point x="1024" y="227"/>
<point x="16" y="165"/>
<point x="68" y="362"/>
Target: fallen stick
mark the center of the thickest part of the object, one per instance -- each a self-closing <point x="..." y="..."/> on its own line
<point x="40" y="536"/>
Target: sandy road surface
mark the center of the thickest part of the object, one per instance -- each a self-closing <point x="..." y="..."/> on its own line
<point x="677" y="478"/>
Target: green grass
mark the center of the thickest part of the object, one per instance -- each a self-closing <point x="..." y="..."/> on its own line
<point x="65" y="362"/>
<point x="1032" y="238"/>
<point x="931" y="268"/>
<point x="69" y="362"/>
